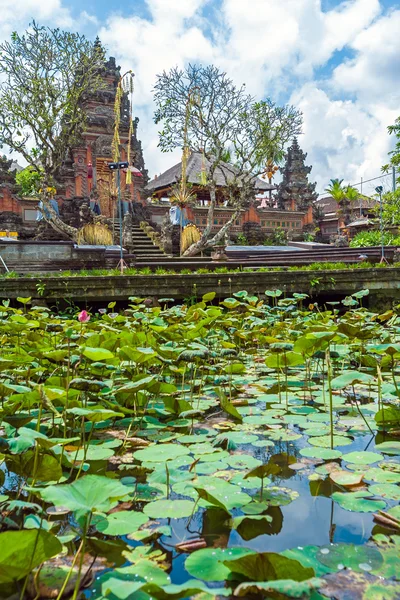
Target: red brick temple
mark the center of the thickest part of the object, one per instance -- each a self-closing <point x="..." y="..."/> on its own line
<point x="85" y="177"/>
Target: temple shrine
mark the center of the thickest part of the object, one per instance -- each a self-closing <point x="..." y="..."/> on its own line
<point x="86" y="182"/>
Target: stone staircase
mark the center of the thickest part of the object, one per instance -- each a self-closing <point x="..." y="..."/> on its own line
<point x="143" y="246"/>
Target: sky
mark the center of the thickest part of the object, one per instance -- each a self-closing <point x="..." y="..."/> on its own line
<point x="335" y="60"/>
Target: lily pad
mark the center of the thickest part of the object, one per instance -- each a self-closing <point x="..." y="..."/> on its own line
<point x="121" y="523"/>
<point x="358" y="558"/>
<point x="325" y="441"/>
<point x="382" y="475"/>
<point x="207" y="563"/>
<point x="346" y="478"/>
<point x="24" y="550"/>
<point x="358" y="501"/>
<point x="389" y="448"/>
<point x="160" y="452"/>
<point x="323" y="453"/>
<point x="169" y="509"/>
<point x="386" y="490"/>
<point x="362" y="458"/>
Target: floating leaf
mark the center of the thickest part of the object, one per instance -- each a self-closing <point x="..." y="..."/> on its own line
<point x="362" y="458"/>
<point x="160" y="452"/>
<point x="169" y="509"/>
<point x="89" y="493"/>
<point x="207" y="563"/>
<point x="121" y="523"/>
<point x="346" y="478"/>
<point x="386" y="490"/>
<point x="97" y="354"/>
<point x="350" y="556"/>
<point x="389" y="448"/>
<point x="287" y="587"/>
<point x="358" y="501"/>
<point x="268" y="566"/>
<point x="323" y="453"/>
<point x="22" y="551"/>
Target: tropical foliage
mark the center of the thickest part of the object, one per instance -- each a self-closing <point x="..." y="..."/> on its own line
<point x="213" y="436"/>
<point x="345" y="196"/>
<point x="46" y="75"/>
<point x="395" y="153"/>
<point x="374" y="238"/>
<point x="200" y="109"/>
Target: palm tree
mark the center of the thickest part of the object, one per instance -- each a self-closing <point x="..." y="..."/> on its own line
<point x="352" y="195"/>
<point x="339" y="193"/>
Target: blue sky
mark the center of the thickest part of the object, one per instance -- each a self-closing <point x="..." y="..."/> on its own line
<point x="336" y="60"/>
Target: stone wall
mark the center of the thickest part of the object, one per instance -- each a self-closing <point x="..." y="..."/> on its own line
<point x="384" y="286"/>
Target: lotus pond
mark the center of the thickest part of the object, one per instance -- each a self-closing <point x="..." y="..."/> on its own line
<point x="243" y="449"/>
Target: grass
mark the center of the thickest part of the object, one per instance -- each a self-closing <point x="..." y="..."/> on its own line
<point x="145" y="271"/>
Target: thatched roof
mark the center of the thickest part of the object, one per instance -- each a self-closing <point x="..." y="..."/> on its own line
<point x="223" y="174"/>
<point x="330" y="206"/>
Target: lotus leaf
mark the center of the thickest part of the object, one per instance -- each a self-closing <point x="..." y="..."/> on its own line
<point x="362" y="458"/>
<point x="386" y="490"/>
<point x="121" y="523"/>
<point x="89" y="493"/>
<point x="24" y="550"/>
<point x="358" y="558"/>
<point x="208" y="563"/>
<point x="287" y="587"/>
<point x="169" y="509"/>
<point x="358" y="501"/>
<point x="160" y="452"/>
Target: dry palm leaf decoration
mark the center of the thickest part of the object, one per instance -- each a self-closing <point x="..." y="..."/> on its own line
<point x="190" y="235"/>
<point x="128" y="87"/>
<point x="181" y="192"/>
<point x="95" y="234"/>
<point x="270" y="170"/>
<point x="125" y="84"/>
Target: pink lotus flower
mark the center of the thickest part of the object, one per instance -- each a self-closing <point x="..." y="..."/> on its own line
<point x="83" y="317"/>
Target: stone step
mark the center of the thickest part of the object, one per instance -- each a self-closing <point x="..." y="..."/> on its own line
<point x="141" y="251"/>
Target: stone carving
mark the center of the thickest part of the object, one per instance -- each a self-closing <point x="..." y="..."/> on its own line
<point x="127" y="239"/>
<point x="295" y="191"/>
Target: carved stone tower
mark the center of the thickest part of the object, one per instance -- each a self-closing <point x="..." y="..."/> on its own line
<point x="295" y="192"/>
<point x="85" y="171"/>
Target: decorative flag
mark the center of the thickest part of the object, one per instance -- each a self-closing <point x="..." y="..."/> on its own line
<point x="135" y="171"/>
<point x="89" y="171"/>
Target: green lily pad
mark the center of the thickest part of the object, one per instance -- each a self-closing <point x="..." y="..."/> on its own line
<point x="358" y="501"/>
<point x="325" y="441"/>
<point x="169" y="509"/>
<point x="121" y="523"/>
<point x="382" y="475"/>
<point x="323" y="453"/>
<point x="24" y="550"/>
<point x="389" y="448"/>
<point x="362" y="458"/>
<point x="386" y="490"/>
<point x="243" y="461"/>
<point x="346" y="478"/>
<point x="207" y="563"/>
<point x="267" y="566"/>
<point x="89" y="493"/>
<point x="349" y="556"/>
<point x="160" y="452"/>
<point x="287" y="587"/>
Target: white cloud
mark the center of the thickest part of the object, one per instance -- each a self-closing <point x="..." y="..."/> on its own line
<point x="343" y="138"/>
<point x="374" y="73"/>
<point x="15" y="17"/>
<point x="275" y="47"/>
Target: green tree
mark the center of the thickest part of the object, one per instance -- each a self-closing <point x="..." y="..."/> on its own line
<point x="345" y="196"/>
<point x="223" y="120"/>
<point x="395" y="153"/>
<point x="29" y="181"/>
<point x="46" y="76"/>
